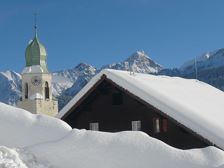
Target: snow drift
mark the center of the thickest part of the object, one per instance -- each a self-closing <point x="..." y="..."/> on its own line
<point x="43" y="142"/>
<point x="89" y="149"/>
<point x="19" y="128"/>
<point x="14" y="158"/>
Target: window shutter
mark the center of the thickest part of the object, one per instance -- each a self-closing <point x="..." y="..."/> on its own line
<point x="156" y="125"/>
<point x="165" y="125"/>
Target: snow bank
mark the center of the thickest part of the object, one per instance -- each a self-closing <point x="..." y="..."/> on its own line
<point x="19" y="128"/>
<point x="47" y="142"/>
<point x="90" y="149"/>
<point x="12" y="158"/>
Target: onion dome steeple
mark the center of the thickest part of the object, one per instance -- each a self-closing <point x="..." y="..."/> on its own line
<point x="36" y="53"/>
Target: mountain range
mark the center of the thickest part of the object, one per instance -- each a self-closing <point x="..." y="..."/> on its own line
<point x="209" y="67"/>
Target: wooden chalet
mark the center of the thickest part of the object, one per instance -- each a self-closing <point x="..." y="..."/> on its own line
<point x="170" y="109"/>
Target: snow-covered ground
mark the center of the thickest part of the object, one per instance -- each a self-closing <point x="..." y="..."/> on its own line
<point x="35" y="141"/>
<point x="81" y="148"/>
<point x="19" y="158"/>
<point x="19" y="128"/>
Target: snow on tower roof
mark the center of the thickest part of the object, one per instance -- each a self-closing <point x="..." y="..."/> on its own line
<point x="33" y="69"/>
<point x="193" y="103"/>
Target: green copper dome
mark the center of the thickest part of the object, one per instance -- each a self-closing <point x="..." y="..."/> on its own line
<point x="36" y="54"/>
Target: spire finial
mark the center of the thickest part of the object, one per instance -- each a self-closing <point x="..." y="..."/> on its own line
<point x="35" y="23"/>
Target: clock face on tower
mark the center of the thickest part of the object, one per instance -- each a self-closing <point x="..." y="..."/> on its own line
<point x="36" y="80"/>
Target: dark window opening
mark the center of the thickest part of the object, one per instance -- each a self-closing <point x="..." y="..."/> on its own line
<point x="26" y="91"/>
<point x="46" y="91"/>
<point x="117" y="99"/>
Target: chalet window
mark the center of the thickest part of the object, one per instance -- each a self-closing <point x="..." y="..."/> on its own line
<point x="26" y="91"/>
<point x="117" y="99"/>
<point x="156" y="125"/>
<point x="160" y="125"/>
<point x="46" y="90"/>
<point x="136" y="125"/>
<point x="94" y="126"/>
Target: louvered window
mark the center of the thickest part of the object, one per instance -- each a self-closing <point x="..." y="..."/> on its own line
<point x="94" y="126"/>
<point x="136" y="125"/>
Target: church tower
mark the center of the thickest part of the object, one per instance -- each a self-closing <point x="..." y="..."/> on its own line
<point x="36" y="81"/>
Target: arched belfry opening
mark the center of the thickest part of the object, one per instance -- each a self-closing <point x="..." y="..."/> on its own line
<point x="26" y="91"/>
<point x="46" y="90"/>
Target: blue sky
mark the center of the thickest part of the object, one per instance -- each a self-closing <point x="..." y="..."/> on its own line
<point x="107" y="31"/>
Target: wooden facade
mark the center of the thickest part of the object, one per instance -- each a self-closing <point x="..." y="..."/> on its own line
<point x="110" y="108"/>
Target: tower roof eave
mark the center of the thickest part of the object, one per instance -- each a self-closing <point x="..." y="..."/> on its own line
<point x="34" y="69"/>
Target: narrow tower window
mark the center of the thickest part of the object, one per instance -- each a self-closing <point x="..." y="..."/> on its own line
<point x="26" y="91"/>
<point x="46" y="90"/>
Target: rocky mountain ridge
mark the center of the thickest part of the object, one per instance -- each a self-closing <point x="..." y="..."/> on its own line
<point x="66" y="83"/>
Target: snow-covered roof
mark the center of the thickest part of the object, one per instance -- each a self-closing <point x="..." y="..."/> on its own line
<point x="193" y="103"/>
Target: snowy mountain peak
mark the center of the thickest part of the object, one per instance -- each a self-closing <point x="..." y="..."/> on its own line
<point x="64" y="79"/>
<point x="84" y="68"/>
<point x="207" y="60"/>
<point x="139" y="55"/>
<point x="83" y="65"/>
<point x="78" y="70"/>
<point x="138" y="62"/>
